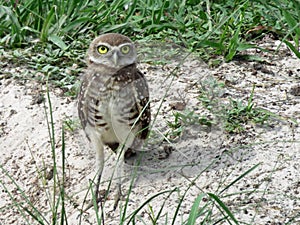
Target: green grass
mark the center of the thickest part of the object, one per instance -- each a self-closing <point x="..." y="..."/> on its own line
<point x="183" y="120"/>
<point x="54" y="35"/>
<point x="220" y="25"/>
<point x="234" y="115"/>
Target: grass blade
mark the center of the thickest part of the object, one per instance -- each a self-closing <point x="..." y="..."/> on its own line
<point x="62" y="186"/>
<point x="223" y="206"/>
<point x="132" y="216"/>
<point x="240" y="177"/>
<point x="293" y="48"/>
<point x="293" y="24"/>
<point x="35" y="213"/>
<point x="194" y="211"/>
<point x="46" y="25"/>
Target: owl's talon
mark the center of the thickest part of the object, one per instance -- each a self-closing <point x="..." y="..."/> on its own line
<point x="92" y="204"/>
<point x="118" y="197"/>
<point x="100" y="199"/>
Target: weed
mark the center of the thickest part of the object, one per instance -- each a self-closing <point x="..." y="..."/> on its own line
<point x="46" y="63"/>
<point x="71" y="124"/>
<point x="182" y="120"/>
<point x="237" y="114"/>
<point x="210" y="92"/>
<point x="234" y="115"/>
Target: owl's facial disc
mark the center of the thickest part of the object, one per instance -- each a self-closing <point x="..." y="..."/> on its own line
<point x="112" y="56"/>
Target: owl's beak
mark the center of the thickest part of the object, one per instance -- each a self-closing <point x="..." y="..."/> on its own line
<point x="115" y="58"/>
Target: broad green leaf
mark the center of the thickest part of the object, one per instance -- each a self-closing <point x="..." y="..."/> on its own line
<point x="58" y="42"/>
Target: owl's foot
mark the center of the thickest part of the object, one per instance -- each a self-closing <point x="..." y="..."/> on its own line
<point x="118" y="197"/>
<point x="95" y="202"/>
<point x="98" y="195"/>
<point x="101" y="198"/>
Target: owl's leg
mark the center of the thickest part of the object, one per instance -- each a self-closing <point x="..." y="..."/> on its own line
<point x="119" y="168"/>
<point x="98" y="145"/>
<point x="100" y="165"/>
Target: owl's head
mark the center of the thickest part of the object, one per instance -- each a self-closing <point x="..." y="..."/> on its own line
<point x="111" y="50"/>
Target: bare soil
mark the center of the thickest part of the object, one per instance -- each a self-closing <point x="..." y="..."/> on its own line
<point x="203" y="159"/>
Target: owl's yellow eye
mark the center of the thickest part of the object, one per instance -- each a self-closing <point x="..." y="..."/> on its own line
<point x="125" y="49"/>
<point x="102" y="49"/>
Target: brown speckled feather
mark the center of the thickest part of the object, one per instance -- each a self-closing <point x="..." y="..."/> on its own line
<point x="128" y="75"/>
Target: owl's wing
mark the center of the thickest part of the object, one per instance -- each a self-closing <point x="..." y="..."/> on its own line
<point x="142" y="103"/>
<point x="82" y="109"/>
<point x="82" y="104"/>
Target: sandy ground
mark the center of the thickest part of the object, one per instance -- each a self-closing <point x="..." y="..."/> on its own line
<point x="204" y="160"/>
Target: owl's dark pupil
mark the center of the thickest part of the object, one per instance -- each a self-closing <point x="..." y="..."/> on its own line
<point x="103" y="48"/>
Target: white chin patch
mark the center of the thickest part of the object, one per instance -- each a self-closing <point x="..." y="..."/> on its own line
<point x="95" y="60"/>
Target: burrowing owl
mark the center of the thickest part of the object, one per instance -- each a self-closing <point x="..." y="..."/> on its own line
<point x="113" y="102"/>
